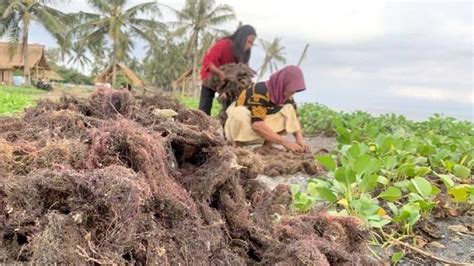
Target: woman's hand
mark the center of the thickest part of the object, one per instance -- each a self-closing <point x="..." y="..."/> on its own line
<point x="304" y="146"/>
<point x="300" y="141"/>
<point x="221" y="75"/>
<point x="293" y="146"/>
<point x="269" y="135"/>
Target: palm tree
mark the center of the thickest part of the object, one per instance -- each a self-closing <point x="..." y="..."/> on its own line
<point x="53" y="55"/>
<point x="100" y="52"/>
<point x="165" y="60"/>
<point x="135" y="65"/>
<point x="198" y="17"/>
<point x="79" y="56"/>
<point x="16" y="17"/>
<point x="207" y="40"/>
<point x="274" y="52"/>
<point x="112" y="20"/>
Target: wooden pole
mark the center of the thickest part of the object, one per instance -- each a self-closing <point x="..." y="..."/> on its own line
<point x="303" y="55"/>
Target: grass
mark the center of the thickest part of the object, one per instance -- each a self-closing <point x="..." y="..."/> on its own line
<point x="193" y="103"/>
<point x="14" y="99"/>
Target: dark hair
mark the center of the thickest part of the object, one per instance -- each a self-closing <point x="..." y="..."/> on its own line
<point x="239" y="38"/>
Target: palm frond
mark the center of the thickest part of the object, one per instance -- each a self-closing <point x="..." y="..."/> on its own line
<point x="95" y="36"/>
<point x="148" y="24"/>
<point x="144" y="35"/>
<point x="49" y="20"/>
<point x="148" y="8"/>
<point x="8" y="22"/>
<point x="280" y="58"/>
<point x="220" y="19"/>
<point x="100" y="5"/>
<point x="221" y="10"/>
<point x="14" y="39"/>
<point x="82" y="16"/>
<point x="91" y="25"/>
<point x="15" y="6"/>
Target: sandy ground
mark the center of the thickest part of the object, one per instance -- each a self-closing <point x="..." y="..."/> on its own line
<point x="454" y="241"/>
<point x="317" y="144"/>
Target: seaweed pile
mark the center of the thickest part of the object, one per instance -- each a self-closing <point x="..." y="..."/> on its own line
<point x="122" y="178"/>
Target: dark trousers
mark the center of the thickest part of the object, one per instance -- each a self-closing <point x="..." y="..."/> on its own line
<point x="205" y="102"/>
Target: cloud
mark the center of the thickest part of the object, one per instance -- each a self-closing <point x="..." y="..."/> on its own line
<point x="449" y="20"/>
<point x="386" y="49"/>
<point x="432" y="94"/>
<point x="457" y="76"/>
<point x="329" y="21"/>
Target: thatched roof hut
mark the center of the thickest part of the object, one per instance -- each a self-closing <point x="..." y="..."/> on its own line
<point x="36" y="61"/>
<point x="36" y="56"/>
<point x="106" y="76"/>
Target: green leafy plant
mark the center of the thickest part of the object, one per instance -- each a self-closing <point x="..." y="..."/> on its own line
<point x="388" y="169"/>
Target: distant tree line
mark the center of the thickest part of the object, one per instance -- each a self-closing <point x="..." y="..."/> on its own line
<point x="109" y="34"/>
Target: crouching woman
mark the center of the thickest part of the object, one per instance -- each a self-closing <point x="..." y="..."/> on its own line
<point x="266" y="111"/>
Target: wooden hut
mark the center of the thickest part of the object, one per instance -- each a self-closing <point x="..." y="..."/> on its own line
<point x="37" y="62"/>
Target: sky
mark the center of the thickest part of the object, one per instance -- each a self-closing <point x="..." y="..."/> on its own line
<point x="409" y="57"/>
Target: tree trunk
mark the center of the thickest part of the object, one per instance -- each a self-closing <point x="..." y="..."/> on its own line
<point x="114" y="63"/>
<point x="195" y="63"/>
<point x="26" y="66"/>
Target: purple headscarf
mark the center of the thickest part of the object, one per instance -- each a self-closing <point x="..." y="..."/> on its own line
<point x="288" y="79"/>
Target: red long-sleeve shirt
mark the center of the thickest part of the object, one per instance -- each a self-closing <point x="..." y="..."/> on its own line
<point x="221" y="53"/>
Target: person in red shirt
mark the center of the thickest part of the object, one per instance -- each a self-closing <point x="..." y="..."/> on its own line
<point x="235" y="48"/>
